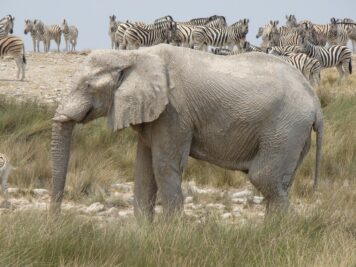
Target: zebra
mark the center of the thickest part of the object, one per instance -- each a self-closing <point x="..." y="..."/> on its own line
<point x="70" y="34"/>
<point x="337" y="34"/>
<point x="36" y="37"/>
<point x="235" y="34"/>
<point x="183" y="34"/>
<point x="338" y="56"/>
<point x="112" y="29"/>
<point x="291" y="21"/>
<point x="184" y="31"/>
<point x="123" y="26"/>
<point x="12" y="46"/>
<point x="217" y="22"/>
<point x="351" y="33"/>
<point x="48" y="33"/>
<point x="161" y="32"/>
<point x="309" y="67"/>
<point x="165" y="18"/>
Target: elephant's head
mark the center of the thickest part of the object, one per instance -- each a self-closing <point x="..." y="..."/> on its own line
<point x="129" y="87"/>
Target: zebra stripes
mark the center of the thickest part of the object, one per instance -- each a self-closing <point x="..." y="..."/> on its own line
<point x="334" y="56"/>
<point x="12" y="46"/>
<point x="158" y="33"/>
<point x="202" y="36"/>
<point x="309" y="67"/>
<point x="337" y="33"/>
<point x="70" y="34"/>
<point x="35" y="35"/>
<point x="48" y="33"/>
<point x="6" y="25"/>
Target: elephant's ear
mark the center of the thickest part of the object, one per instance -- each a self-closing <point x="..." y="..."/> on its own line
<point x="142" y="94"/>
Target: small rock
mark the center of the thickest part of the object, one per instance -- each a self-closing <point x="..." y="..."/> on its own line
<point x="40" y="191"/>
<point x="12" y="190"/>
<point x="257" y="200"/>
<point x="95" y="207"/>
<point x="226" y="215"/>
<point x="158" y="209"/>
<point x="193" y="189"/>
<point x="188" y="200"/>
<point x="121" y="187"/>
<point x="242" y="194"/>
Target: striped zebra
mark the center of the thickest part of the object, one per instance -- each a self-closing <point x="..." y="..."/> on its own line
<point x="198" y="21"/>
<point x="291" y="21"/>
<point x="184" y="31"/>
<point x="337" y="33"/>
<point x="112" y="29"/>
<point x="123" y="26"/>
<point x="217" y="22"/>
<point x="235" y="34"/>
<point x="48" y="33"/>
<point x="165" y="18"/>
<point x="36" y="37"/>
<point x="12" y="46"/>
<point x="309" y="67"/>
<point x="334" y="56"/>
<point x="70" y="34"/>
<point x="157" y="33"/>
<point x="351" y="32"/>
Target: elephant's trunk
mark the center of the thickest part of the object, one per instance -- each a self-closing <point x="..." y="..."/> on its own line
<point x="60" y="146"/>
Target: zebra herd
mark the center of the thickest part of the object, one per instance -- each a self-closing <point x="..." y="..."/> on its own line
<point x="307" y="46"/>
<point x="302" y="44"/>
<point x="45" y="33"/>
<point x="14" y="47"/>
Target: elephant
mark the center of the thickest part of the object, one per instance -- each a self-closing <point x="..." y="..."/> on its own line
<point x="250" y="112"/>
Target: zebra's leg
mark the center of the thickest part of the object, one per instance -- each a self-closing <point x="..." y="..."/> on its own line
<point x="34" y="44"/>
<point x="58" y="41"/>
<point x="353" y="46"/>
<point x="341" y="71"/>
<point x="19" y="64"/>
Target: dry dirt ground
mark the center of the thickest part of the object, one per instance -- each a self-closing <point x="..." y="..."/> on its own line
<point x="48" y="78"/>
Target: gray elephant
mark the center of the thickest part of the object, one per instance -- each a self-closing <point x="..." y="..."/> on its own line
<point x="250" y="112"/>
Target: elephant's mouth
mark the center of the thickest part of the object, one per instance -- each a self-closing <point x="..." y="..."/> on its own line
<point x="83" y="119"/>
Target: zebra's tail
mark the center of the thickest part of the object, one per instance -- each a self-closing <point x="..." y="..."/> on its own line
<point x="23" y="55"/>
<point x="350" y="66"/>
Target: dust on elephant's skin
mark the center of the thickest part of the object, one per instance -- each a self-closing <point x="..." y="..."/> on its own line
<point x="250" y="112"/>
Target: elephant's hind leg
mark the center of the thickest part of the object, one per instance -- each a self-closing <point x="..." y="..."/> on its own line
<point x="274" y="167"/>
<point x="145" y="185"/>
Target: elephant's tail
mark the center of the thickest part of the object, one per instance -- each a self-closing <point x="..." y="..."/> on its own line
<point x="318" y="128"/>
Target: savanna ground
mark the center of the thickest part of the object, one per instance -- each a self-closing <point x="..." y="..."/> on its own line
<point x="223" y="225"/>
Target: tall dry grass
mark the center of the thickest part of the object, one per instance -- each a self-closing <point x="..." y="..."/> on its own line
<point x="325" y="236"/>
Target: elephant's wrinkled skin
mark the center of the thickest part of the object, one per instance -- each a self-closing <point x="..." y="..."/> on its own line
<point x="250" y="112"/>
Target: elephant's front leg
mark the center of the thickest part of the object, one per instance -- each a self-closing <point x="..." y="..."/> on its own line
<point x="170" y="150"/>
<point x="145" y="185"/>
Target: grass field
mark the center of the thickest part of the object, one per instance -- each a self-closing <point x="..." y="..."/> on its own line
<point x="324" y="236"/>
